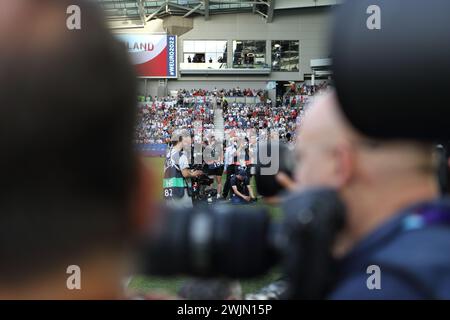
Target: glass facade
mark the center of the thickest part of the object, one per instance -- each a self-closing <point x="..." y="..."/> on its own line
<point x="249" y="54"/>
<point x="285" y="55"/>
<point x="213" y="53"/>
<point x="246" y="54"/>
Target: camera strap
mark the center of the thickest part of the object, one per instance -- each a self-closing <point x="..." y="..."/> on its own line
<point x="187" y="186"/>
<point x="177" y="167"/>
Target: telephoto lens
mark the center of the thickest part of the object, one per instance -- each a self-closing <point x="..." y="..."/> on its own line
<point x="211" y="241"/>
<point x="232" y="242"/>
<point x="238" y="243"/>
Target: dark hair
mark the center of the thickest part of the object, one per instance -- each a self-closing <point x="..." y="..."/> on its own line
<point x="67" y="104"/>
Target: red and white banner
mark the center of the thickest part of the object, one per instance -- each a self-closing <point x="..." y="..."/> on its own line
<point x="155" y="56"/>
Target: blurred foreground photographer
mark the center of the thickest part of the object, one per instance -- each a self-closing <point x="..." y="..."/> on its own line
<point x="394" y="220"/>
<point x="399" y="224"/>
<point x="72" y="201"/>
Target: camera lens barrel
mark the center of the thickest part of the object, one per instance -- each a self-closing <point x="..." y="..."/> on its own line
<point x="220" y="241"/>
<point x="200" y="234"/>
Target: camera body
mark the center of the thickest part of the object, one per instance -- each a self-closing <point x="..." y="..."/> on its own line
<point x="200" y="191"/>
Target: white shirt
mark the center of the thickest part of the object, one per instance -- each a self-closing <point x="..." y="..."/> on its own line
<point x="184" y="163"/>
<point x="229" y="155"/>
<point x="183" y="160"/>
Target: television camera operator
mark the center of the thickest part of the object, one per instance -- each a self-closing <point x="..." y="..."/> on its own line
<point x="178" y="173"/>
<point x="197" y="173"/>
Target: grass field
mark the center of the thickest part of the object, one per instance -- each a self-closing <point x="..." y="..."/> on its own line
<point x="144" y="284"/>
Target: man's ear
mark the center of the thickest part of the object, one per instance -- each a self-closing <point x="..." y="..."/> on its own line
<point x="344" y="164"/>
<point x="143" y="202"/>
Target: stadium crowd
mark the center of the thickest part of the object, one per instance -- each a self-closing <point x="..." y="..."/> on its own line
<point x="235" y="92"/>
<point x="158" y="117"/>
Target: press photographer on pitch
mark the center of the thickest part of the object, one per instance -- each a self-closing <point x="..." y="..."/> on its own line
<point x="241" y="190"/>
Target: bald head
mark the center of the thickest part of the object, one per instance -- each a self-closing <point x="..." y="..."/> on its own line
<point x="323" y="129"/>
<point x="324" y="122"/>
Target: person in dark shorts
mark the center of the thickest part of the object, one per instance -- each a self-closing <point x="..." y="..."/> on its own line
<point x="215" y="164"/>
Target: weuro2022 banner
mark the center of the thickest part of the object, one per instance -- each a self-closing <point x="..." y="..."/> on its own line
<point x="154" y="56"/>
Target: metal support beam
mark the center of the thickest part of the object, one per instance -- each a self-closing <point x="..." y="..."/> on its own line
<point x="193" y="10"/>
<point x="178" y="6"/>
<point x="150" y="17"/>
<point x="238" y="2"/>
<point x="147" y="10"/>
<point x="206" y="4"/>
<point x="270" y="11"/>
<point x="261" y="13"/>
<point x="141" y="10"/>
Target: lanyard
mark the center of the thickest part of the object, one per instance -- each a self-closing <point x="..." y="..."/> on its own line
<point x="427" y="215"/>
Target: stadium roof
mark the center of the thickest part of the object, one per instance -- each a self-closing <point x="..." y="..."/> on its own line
<point x="148" y="10"/>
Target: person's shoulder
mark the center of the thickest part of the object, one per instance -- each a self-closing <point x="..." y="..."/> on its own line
<point x="411" y="252"/>
<point x="429" y="242"/>
<point x="422" y="255"/>
<point x="360" y="286"/>
<point x="183" y="157"/>
<point x="413" y="264"/>
<point x="183" y="160"/>
<point x="173" y="153"/>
